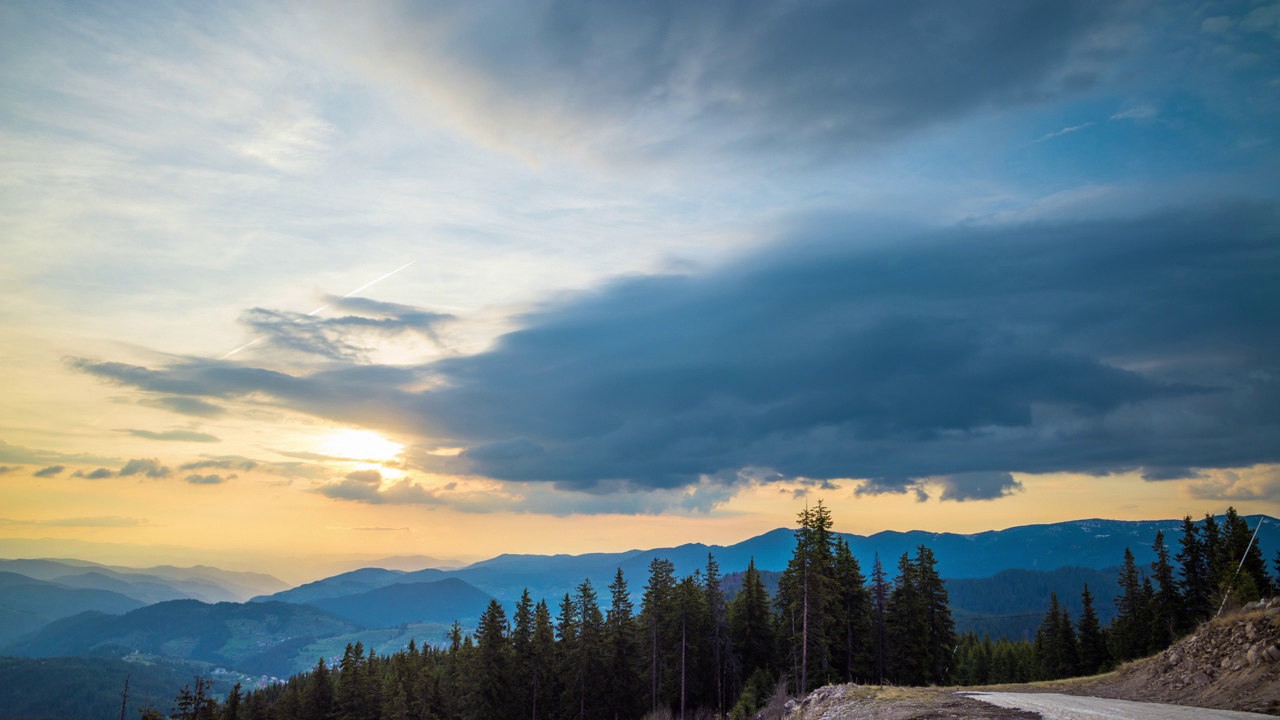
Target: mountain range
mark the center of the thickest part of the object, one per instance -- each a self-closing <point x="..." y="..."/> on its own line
<point x="153" y="584"/>
<point x="236" y="635"/>
<point x="999" y="583"/>
<point x="1094" y="543"/>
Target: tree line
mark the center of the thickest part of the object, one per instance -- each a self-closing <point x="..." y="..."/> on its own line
<point x="1217" y="566"/>
<point x="688" y="650"/>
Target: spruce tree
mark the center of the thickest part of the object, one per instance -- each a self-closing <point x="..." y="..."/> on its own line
<point x="1166" y="604"/>
<point x="231" y="708"/>
<point x="656" y="611"/>
<point x="197" y="703"/>
<point x="352" y="692"/>
<point x="1216" y="557"/>
<point x="542" y="663"/>
<point x="1128" y="630"/>
<point x="1069" y="643"/>
<point x="879" y="607"/>
<point x="851" y="639"/>
<point x="724" y="663"/>
<point x="622" y="677"/>
<point x="1196" y="581"/>
<point x="750" y="624"/>
<point x="317" y="704"/>
<point x="493" y="659"/>
<point x="1248" y="569"/>
<point x="805" y="592"/>
<point x="1093" y="644"/>
<point x="522" y="656"/>
<point x="1048" y="644"/>
<point x="565" y="675"/>
<point x="908" y="660"/>
<point x="591" y="651"/>
<point x="939" y="626"/>
<point x="692" y="622"/>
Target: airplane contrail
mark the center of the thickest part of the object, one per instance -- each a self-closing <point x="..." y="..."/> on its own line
<point x="369" y="284"/>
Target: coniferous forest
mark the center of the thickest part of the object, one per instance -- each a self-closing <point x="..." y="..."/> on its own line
<point x="687" y="650"/>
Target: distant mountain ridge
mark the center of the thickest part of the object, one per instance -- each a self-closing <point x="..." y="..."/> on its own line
<point x="153" y="584"/>
<point x="442" y="601"/>
<point x="1092" y="543"/>
<point x="236" y="635"/>
<point x="28" y="604"/>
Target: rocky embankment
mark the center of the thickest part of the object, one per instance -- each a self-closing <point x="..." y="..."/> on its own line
<point x="1230" y="663"/>
<point x="886" y="702"/>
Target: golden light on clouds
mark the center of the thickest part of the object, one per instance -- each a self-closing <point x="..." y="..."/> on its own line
<point x="359" y="445"/>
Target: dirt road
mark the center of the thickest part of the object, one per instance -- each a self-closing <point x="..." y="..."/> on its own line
<point x="1053" y="706"/>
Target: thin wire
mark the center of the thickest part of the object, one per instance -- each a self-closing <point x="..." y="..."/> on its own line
<point x="1247" y="548"/>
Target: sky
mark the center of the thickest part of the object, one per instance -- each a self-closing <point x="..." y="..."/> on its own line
<point x="288" y="285"/>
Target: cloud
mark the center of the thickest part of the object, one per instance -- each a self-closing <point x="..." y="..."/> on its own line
<point x="173" y="435"/>
<point x="1169" y="473"/>
<point x="206" y="479"/>
<point x="1044" y="347"/>
<point x="616" y="497"/>
<point x="1261" y="483"/>
<point x="1265" y="19"/>
<point x="98" y="521"/>
<point x="98" y="474"/>
<point x="6" y="468"/>
<point x="1217" y="25"/>
<point x="33" y="456"/>
<point x="49" y="471"/>
<point x="1141" y="112"/>
<point x="892" y="486"/>
<point x="320" y="393"/>
<point x="1093" y="346"/>
<point x="184" y="406"/>
<point x="752" y="77"/>
<point x="144" y="466"/>
<point x="104" y="521"/>
<point x="366" y="486"/>
<point x="1065" y="131"/>
<point x="977" y="486"/>
<point x="346" y="337"/>
<point x="226" y="463"/>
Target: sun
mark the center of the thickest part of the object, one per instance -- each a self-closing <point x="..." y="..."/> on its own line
<point x="360" y="445"/>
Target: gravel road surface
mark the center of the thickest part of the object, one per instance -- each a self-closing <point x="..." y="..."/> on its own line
<point x="1053" y="706"/>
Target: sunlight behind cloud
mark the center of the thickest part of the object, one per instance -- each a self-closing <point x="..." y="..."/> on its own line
<point x="360" y="445"/>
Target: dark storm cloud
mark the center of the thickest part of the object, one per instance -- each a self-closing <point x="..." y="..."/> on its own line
<point x="173" y="435"/>
<point x="977" y="486"/>
<point x="749" y="75"/>
<point x="344" y="337"/>
<point x="963" y="354"/>
<point x="1169" y="473"/>
<point x="184" y="406"/>
<point x="49" y="471"/>
<point x="1090" y="347"/>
